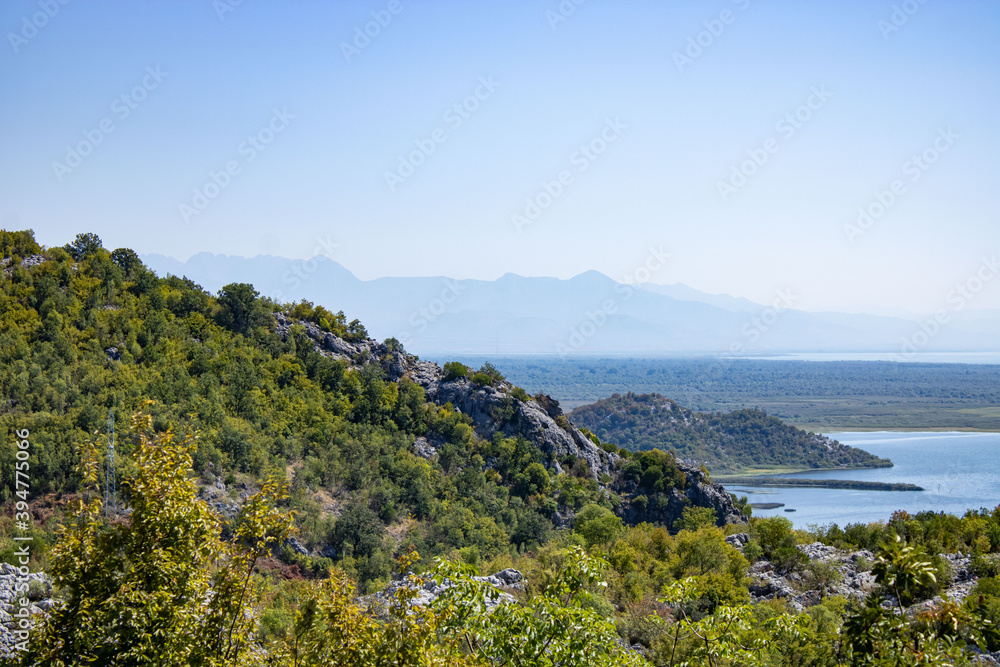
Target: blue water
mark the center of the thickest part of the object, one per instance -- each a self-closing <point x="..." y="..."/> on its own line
<point x="958" y="471"/>
<point x="920" y="357"/>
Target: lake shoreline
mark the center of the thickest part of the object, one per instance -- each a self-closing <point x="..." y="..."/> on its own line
<point x="959" y="471"/>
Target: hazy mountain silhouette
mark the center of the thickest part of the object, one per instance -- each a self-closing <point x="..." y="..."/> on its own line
<point x="587" y="314"/>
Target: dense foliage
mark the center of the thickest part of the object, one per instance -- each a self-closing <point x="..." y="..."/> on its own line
<point x="722" y="441"/>
<point x="87" y="331"/>
<point x="247" y="418"/>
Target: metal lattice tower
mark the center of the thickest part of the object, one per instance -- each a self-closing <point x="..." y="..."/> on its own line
<point x="110" y="492"/>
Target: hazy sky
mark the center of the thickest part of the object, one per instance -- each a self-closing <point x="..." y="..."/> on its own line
<point x="742" y="138"/>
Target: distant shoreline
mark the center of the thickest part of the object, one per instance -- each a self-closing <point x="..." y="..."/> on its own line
<point x="819" y="483"/>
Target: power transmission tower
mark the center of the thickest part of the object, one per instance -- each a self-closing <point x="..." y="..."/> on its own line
<point x="110" y="493"/>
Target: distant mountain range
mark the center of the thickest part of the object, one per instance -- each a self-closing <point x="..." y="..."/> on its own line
<point x="587" y="314"/>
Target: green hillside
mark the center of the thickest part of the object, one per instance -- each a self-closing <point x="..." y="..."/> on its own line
<point x="724" y="442"/>
<point x="405" y="482"/>
<point x="85" y="330"/>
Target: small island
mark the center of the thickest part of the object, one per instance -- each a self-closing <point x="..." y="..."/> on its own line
<point x="819" y="483"/>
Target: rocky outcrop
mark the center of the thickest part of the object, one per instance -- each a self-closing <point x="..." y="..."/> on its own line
<point x="357" y="354"/>
<point x="26" y="263"/>
<point x="428" y="590"/>
<point x="492" y="409"/>
<point x="541" y="421"/>
<point x="855" y="579"/>
<point x="37" y="595"/>
<point x="666" y="508"/>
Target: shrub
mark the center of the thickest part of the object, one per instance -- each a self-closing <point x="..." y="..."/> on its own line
<point x="455" y="370"/>
<point x="495" y="376"/>
<point x="481" y="379"/>
<point x="693" y="518"/>
<point x="596" y="524"/>
<point x="986" y="565"/>
<point x="520" y="394"/>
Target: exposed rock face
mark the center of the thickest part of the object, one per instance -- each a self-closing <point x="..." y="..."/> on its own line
<point x="10" y="598"/>
<point x="855" y="582"/>
<point x="429" y="590"/>
<point x="667" y="508"/>
<point x="541" y="422"/>
<point x="26" y="263"/>
<point x="492" y="409"/>
<point x="356" y="354"/>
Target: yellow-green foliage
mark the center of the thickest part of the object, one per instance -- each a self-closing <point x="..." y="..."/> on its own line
<point x="159" y="587"/>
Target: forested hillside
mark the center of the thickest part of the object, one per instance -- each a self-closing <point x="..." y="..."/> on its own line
<point x="723" y="441"/>
<point x="274" y="463"/>
<point x="383" y="452"/>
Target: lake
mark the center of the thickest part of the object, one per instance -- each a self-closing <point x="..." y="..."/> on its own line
<point x="920" y="357"/>
<point x="958" y="471"/>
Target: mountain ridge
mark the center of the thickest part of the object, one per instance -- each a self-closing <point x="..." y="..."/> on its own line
<point x="587" y="314"/>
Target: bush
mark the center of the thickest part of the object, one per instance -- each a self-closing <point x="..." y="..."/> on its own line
<point x="986" y="565"/>
<point x="693" y="518"/>
<point x="520" y="394"/>
<point x="596" y="524"/>
<point x="455" y="370"/>
<point x="481" y="379"/>
<point x="495" y="376"/>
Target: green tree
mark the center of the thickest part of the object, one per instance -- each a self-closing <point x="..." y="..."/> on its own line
<point x="240" y="309"/>
<point x="84" y="245"/>
<point x="596" y="524"/>
<point x="693" y="518"/>
<point x="160" y="588"/>
<point x="558" y="626"/>
<point x="127" y="261"/>
<point x="454" y="370"/>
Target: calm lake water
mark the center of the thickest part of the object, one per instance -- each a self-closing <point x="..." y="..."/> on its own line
<point x="920" y="357"/>
<point x="958" y="471"/>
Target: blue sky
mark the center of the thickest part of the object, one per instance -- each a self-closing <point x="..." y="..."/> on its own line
<point x="310" y="133"/>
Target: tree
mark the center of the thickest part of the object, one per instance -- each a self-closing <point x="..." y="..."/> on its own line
<point x="127" y="261"/>
<point x="558" y="626"/>
<point x="332" y="630"/>
<point x="596" y="524"/>
<point x="84" y="244"/>
<point x="454" y="370"/>
<point x="240" y="310"/>
<point x="693" y="518"/>
<point x="18" y="244"/>
<point x="159" y="587"/>
<point x="732" y="635"/>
